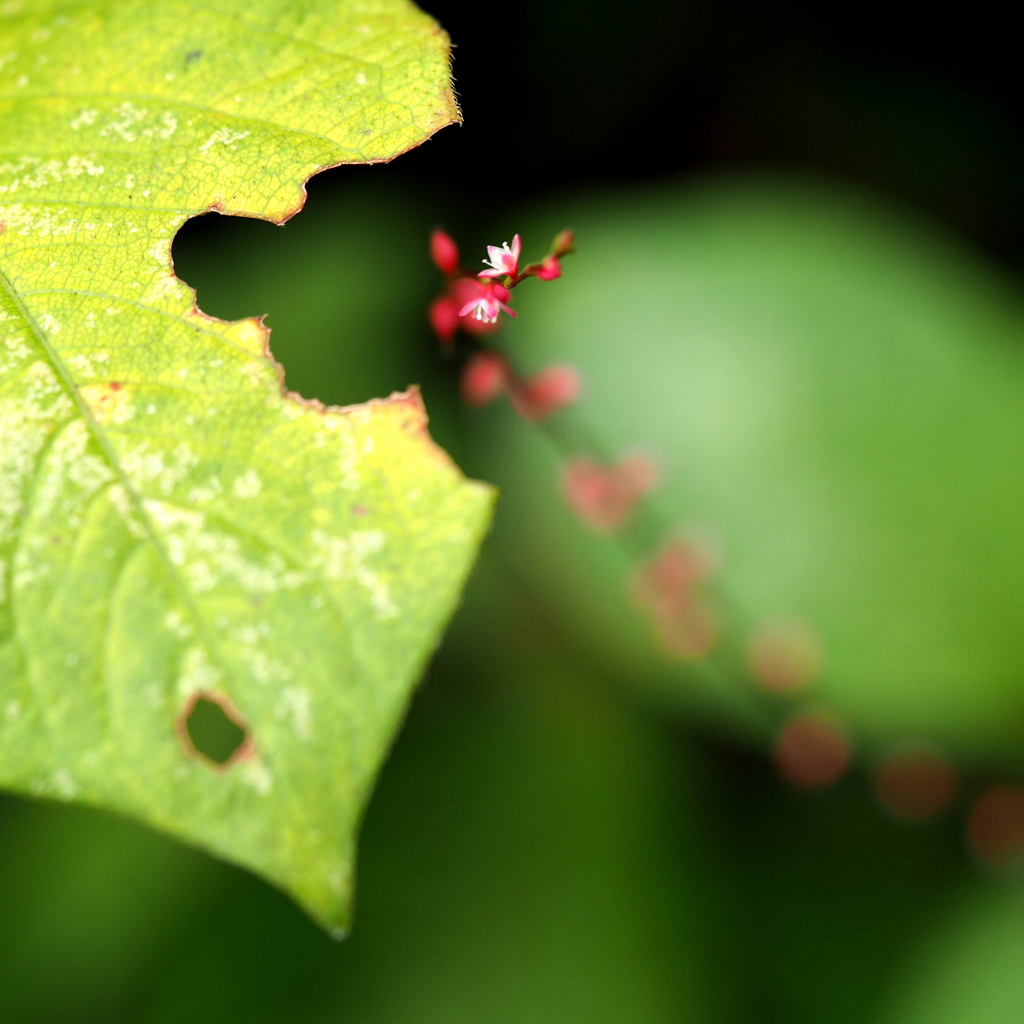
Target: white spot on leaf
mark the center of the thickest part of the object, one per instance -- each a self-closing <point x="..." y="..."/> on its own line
<point x="222" y="137"/>
<point x="345" y="558"/>
<point x="295" y="707"/>
<point x="247" y="486"/>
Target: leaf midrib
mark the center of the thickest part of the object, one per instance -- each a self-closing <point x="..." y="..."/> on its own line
<point x="67" y="381"/>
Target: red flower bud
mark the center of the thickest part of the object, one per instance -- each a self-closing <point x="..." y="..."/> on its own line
<point x="484" y="377"/>
<point x="784" y="655"/>
<point x="604" y="497"/>
<point x="811" y="751"/>
<point x="549" y="268"/>
<point x="564" y="243"/>
<point x="915" y="781"/>
<point x="444" y="318"/>
<point x="444" y="252"/>
<point x="546" y="392"/>
<point x="667" y="585"/>
<point x="995" y="827"/>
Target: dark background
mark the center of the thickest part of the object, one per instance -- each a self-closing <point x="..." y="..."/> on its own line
<point x="924" y="108"/>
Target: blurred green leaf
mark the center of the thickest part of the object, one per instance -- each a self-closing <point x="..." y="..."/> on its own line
<point x="92" y="906"/>
<point x="837" y="393"/>
<point x="172" y="523"/>
<point x="970" y="968"/>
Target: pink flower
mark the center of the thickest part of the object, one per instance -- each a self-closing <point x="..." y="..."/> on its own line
<point x="488" y="303"/>
<point x="467" y="289"/>
<point x="504" y="261"/>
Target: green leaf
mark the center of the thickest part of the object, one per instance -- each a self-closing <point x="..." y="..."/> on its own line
<point x="172" y="523"/>
<point x="968" y="968"/>
<point x="836" y="392"/>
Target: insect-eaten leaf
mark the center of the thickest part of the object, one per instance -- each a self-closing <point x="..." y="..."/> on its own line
<point x="179" y="536"/>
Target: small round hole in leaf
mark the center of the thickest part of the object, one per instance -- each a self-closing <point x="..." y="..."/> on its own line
<point x="213" y="731"/>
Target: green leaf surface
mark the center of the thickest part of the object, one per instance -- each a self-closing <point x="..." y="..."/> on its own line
<point x="172" y="522"/>
<point x="836" y="393"/>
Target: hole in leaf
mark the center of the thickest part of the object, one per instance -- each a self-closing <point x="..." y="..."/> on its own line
<point x="342" y="329"/>
<point x="214" y="730"/>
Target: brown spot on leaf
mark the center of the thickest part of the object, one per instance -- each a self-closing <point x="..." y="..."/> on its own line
<point x="108" y="402"/>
